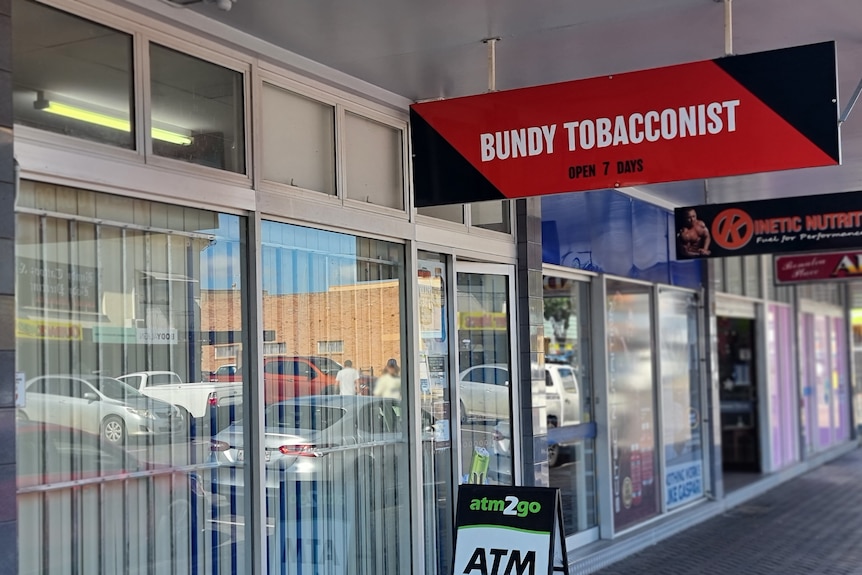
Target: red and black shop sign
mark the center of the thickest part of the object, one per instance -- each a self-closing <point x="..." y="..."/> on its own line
<point x="760" y="112"/>
<point x="800" y="224"/>
<point x="800" y="268"/>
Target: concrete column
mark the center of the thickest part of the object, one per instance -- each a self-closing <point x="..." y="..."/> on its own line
<point x="8" y="507"/>
<point x="531" y="336"/>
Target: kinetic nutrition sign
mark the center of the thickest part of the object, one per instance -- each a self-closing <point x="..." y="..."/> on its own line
<point x="736" y="115"/>
<point x="800" y="224"/>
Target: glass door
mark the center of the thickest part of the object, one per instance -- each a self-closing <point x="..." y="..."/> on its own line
<point x="465" y="367"/>
<point x="485" y="373"/>
<point x="569" y="396"/>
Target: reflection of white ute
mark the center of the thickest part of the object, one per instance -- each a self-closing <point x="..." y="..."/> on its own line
<point x="564" y="402"/>
<point x="562" y="395"/>
<point x="195" y="398"/>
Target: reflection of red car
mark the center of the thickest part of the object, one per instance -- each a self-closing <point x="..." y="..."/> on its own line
<point x="228" y="372"/>
<point x="287" y="376"/>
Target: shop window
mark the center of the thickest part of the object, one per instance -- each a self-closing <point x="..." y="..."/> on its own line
<point x="197" y="110"/>
<point x="436" y="394"/>
<point x="117" y="444"/>
<point x="682" y="409"/>
<point x="298" y="141"/>
<point x="322" y="287"/>
<point x="717" y="268"/>
<point x="374" y="162"/>
<point x="485" y="378"/>
<point x="273" y="348"/>
<point x="733" y="279"/>
<point x="72" y="76"/>
<point x="631" y="401"/>
<point x="568" y="394"/>
<point x="450" y="213"/>
<point x="751" y="266"/>
<point x="493" y="215"/>
<point x="226" y="351"/>
<point x="330" y="347"/>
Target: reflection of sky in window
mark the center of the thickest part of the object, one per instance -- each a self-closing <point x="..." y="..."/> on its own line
<point x="220" y="261"/>
<point x="295" y="259"/>
<point x="304" y="260"/>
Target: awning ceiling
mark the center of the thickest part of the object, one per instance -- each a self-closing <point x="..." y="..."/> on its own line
<point x="422" y="50"/>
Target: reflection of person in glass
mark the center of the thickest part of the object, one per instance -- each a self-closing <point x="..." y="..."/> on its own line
<point x="694" y="238"/>
<point x="389" y="384"/>
<point x="347" y="379"/>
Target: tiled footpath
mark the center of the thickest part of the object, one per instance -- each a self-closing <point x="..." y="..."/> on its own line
<point x="811" y="524"/>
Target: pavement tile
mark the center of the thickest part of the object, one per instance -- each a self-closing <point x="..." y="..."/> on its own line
<point x="809" y="525"/>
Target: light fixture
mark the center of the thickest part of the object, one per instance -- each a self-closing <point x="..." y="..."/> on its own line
<point x="105" y="120"/>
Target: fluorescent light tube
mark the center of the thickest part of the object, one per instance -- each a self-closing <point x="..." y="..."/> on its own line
<point x="107" y="121"/>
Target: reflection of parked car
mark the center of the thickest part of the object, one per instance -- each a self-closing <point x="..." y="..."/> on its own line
<point x="484" y="392"/>
<point x="564" y="402"/>
<point x="326" y="365"/>
<point x="319" y="438"/>
<point x="500" y="468"/>
<point x="563" y="395"/>
<point x="99" y="405"/>
<point x="288" y="376"/>
<point x="196" y="399"/>
<point x="227" y="372"/>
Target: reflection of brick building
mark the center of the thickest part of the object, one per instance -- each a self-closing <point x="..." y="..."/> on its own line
<point x="361" y="322"/>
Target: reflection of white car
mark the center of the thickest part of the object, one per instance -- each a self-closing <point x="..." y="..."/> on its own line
<point x="196" y="399"/>
<point x="319" y="438"/>
<point x="501" y="465"/>
<point x="484" y="391"/>
<point x="564" y="402"/>
<point x="562" y="394"/>
<point x="98" y="405"/>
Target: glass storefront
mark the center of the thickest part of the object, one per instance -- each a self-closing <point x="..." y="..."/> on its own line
<point x="130" y="323"/>
<point x="783" y="411"/>
<point x="484" y="378"/>
<point x="568" y="393"/>
<point x="825" y="386"/>
<point x="436" y="393"/>
<point x="631" y="403"/>
<point x="122" y="308"/>
<point x="335" y="431"/>
<point x="682" y="416"/>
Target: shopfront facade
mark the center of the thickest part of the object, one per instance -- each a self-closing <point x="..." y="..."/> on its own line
<point x="628" y="321"/>
<point x="191" y="219"/>
<point x="692" y="376"/>
<point x="239" y="348"/>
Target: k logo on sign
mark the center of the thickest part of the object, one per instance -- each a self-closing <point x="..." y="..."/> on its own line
<point x="732" y="229"/>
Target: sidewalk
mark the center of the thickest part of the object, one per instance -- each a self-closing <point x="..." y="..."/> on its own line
<point x="811" y="524"/>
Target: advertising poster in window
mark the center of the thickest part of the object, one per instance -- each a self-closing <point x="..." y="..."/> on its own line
<point x="56" y="285"/>
<point x="680" y="393"/>
<point x="432" y="301"/>
<point x="631" y="400"/>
